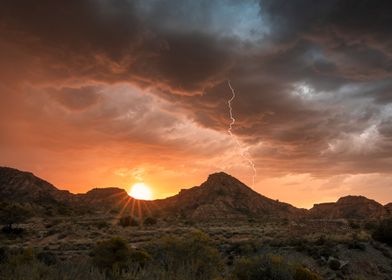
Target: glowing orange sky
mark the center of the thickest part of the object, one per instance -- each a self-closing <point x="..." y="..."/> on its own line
<point x="135" y="91"/>
<point x="143" y="138"/>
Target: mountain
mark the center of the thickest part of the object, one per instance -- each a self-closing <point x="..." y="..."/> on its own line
<point x="103" y="198"/>
<point x="38" y="196"/>
<point x="349" y="207"/>
<point x="19" y="186"/>
<point x="223" y="196"/>
<point x="220" y="197"/>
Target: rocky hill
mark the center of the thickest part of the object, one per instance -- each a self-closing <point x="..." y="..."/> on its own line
<point x="19" y="186"/>
<point x="220" y="197"/>
<point x="37" y="195"/>
<point x="223" y="196"/>
<point x="103" y="198"/>
<point x="350" y="207"/>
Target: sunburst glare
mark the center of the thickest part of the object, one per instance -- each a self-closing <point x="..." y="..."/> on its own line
<point x="140" y="191"/>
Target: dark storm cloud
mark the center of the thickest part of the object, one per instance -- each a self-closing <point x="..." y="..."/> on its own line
<point x="313" y="78"/>
<point x="109" y="41"/>
<point x="345" y="18"/>
<point x="356" y="35"/>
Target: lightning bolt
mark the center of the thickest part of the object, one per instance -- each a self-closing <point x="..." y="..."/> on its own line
<point x="243" y="154"/>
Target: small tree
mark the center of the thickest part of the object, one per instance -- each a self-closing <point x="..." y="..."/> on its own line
<point x="11" y="214"/>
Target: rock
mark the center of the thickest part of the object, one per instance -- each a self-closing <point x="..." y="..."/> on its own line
<point x="348" y="207"/>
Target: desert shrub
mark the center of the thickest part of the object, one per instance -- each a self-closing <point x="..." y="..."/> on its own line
<point x="194" y="252"/>
<point x="11" y="214"/>
<point x="334" y="264"/>
<point x="12" y="230"/>
<point x="36" y="270"/>
<point x="382" y="249"/>
<point x="354" y="224"/>
<point x="270" y="267"/>
<point x="64" y="210"/>
<point x="47" y="257"/>
<point x="115" y="255"/>
<point x="149" y="221"/>
<point x="102" y="224"/>
<point x="260" y="268"/>
<point x="128" y="221"/>
<point x="20" y="257"/>
<point x="111" y="254"/>
<point x="370" y="225"/>
<point x="321" y="240"/>
<point x="139" y="258"/>
<point x="302" y="273"/>
<point x="189" y="222"/>
<point x="3" y="254"/>
<point x="356" y="245"/>
<point x="245" y="248"/>
<point x="383" y="232"/>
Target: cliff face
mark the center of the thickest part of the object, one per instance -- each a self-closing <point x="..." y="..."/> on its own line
<point x="350" y="207"/>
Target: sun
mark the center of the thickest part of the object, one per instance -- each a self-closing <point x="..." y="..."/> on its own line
<point x="140" y="191"/>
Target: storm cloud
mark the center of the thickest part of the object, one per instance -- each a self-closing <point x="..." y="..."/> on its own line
<point x="313" y="80"/>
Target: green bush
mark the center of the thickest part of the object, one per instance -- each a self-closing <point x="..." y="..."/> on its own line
<point x="245" y="247"/>
<point x="383" y="232"/>
<point x="270" y="267"/>
<point x="150" y="221"/>
<point x="11" y="214"/>
<point x="111" y="254"/>
<point x="115" y="255"/>
<point x="139" y="258"/>
<point x="194" y="252"/>
<point x="260" y="268"/>
<point x="302" y="273"/>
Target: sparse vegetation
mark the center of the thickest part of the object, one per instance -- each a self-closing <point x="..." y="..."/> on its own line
<point x="150" y="221"/>
<point x="11" y="214"/>
<point x="302" y="273"/>
<point x="383" y="232"/>
<point x="193" y="252"/>
<point x="128" y="221"/>
<point x="111" y="254"/>
<point x="180" y="252"/>
<point x="270" y="267"/>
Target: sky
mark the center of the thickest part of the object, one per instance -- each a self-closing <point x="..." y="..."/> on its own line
<point x="99" y="93"/>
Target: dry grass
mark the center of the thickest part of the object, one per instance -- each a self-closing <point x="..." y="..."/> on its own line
<point x="312" y="243"/>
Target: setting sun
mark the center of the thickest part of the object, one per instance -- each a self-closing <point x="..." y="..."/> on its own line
<point x="140" y="191"/>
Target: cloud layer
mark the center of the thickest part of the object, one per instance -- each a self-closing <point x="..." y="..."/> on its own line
<point x="144" y="85"/>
